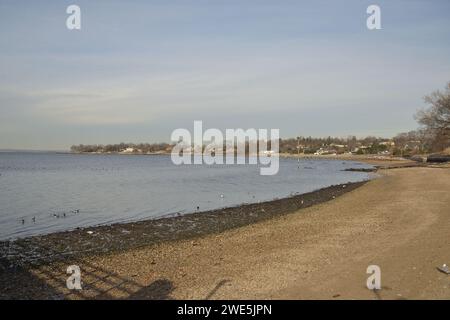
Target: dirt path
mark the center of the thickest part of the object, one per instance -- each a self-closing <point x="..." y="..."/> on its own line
<point x="400" y="222"/>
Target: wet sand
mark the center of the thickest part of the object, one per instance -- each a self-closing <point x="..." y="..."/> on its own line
<point x="399" y="221"/>
<point x="378" y="161"/>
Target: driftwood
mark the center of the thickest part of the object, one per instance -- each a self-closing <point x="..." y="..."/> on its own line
<point x="438" y="158"/>
<point x="418" y="158"/>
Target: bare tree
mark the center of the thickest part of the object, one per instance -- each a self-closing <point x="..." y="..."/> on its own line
<point x="436" y="118"/>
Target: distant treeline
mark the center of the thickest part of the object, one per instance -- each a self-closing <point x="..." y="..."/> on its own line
<point x="121" y="147"/>
<point x="410" y="143"/>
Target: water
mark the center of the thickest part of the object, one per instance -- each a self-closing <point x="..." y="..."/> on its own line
<point x="47" y="192"/>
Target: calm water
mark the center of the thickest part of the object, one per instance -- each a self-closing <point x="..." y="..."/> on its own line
<point x="52" y="188"/>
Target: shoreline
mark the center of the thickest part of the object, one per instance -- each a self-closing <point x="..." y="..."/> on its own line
<point x="119" y="237"/>
<point x="398" y="222"/>
<point x="122" y="236"/>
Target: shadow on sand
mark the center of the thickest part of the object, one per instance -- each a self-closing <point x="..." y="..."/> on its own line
<point x="39" y="279"/>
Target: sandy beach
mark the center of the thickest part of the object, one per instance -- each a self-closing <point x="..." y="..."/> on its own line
<point x="399" y="221"/>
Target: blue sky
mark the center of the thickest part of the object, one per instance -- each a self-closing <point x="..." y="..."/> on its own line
<point x="137" y="70"/>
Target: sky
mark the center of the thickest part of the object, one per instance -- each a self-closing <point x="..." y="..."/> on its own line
<point x="137" y="70"/>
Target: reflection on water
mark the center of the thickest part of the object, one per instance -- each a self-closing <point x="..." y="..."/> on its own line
<point x="47" y="192"/>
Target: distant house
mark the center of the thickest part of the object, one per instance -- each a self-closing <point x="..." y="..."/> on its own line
<point x="338" y="145"/>
<point x="268" y="153"/>
<point x="360" y="149"/>
<point x="128" y="150"/>
<point x="325" y="151"/>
